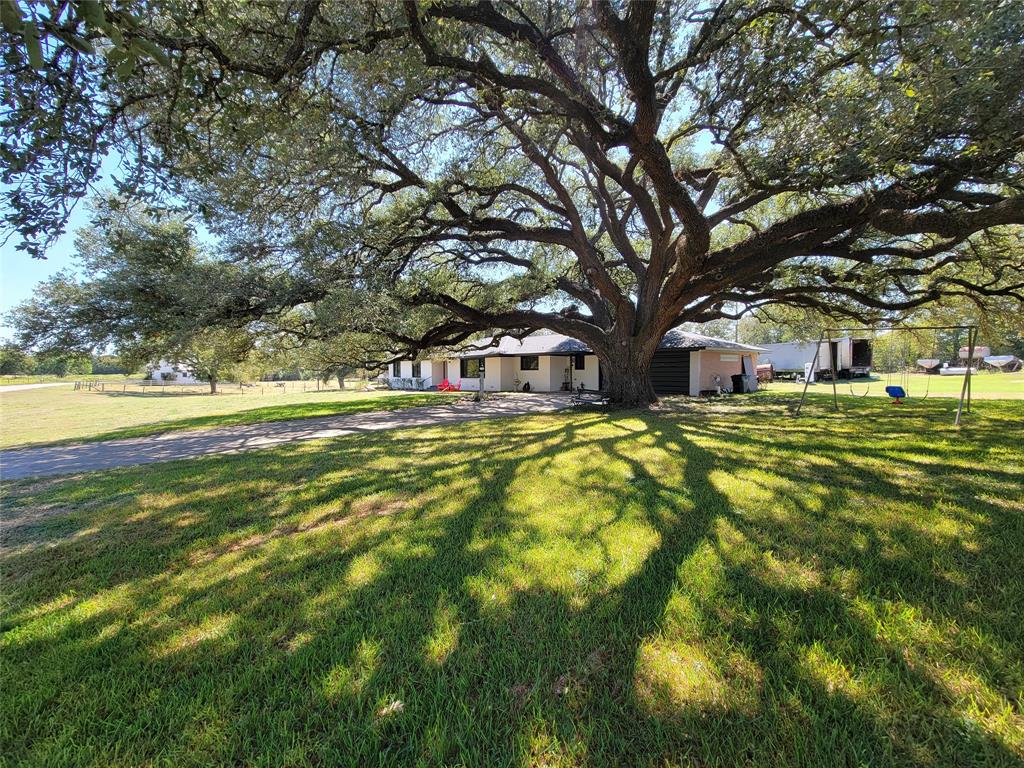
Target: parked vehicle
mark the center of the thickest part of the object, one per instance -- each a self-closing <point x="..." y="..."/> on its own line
<point x="852" y="358"/>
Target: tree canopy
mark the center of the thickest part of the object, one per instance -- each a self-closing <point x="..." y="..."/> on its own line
<point x="150" y="290"/>
<point x="608" y="170"/>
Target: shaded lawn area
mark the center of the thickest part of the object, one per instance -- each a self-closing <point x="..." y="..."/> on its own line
<point x="719" y="586"/>
<point x="49" y="416"/>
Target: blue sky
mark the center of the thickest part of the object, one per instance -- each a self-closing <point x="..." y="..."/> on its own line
<point x="19" y="272"/>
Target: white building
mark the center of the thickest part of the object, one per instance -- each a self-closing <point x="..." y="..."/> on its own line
<point x="852" y="356"/>
<point x="176" y="373"/>
<point x="685" y="363"/>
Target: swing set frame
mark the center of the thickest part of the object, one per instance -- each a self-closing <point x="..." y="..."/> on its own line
<point x="828" y="335"/>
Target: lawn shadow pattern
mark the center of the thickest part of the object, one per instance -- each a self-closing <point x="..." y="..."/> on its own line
<point x="677" y="588"/>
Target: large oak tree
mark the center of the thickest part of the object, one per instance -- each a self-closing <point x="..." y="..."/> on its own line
<point x="608" y="170"/>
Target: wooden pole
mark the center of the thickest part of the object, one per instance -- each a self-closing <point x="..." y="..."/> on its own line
<point x="832" y="355"/>
<point x="807" y="378"/>
<point x="966" y="388"/>
<point x="970" y="359"/>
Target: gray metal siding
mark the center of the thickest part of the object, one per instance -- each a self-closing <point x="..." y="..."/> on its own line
<point x="670" y="372"/>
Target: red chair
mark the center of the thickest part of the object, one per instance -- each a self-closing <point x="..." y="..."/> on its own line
<point x="447" y="386"/>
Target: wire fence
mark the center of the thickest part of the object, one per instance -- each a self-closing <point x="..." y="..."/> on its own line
<point x="261" y="388"/>
<point x="13" y="379"/>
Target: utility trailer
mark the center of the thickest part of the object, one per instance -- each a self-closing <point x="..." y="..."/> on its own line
<point x="852" y="358"/>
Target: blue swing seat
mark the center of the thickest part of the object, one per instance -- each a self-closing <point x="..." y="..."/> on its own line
<point x="896" y="393"/>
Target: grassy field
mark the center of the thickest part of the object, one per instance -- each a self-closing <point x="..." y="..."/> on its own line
<point x="720" y="586"/>
<point x="984" y="386"/>
<point x="59" y="414"/>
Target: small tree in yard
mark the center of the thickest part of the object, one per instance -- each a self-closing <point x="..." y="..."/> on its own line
<point x="212" y="354"/>
<point x="148" y="291"/>
<point x="609" y="170"/>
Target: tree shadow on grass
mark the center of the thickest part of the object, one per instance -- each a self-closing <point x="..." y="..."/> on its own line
<point x="562" y="590"/>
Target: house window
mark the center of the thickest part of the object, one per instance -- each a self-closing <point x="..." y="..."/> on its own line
<point x="529" y="363"/>
<point x="416" y="370"/>
<point x="396" y="369"/>
<point x="471" y="368"/>
<point x="579" y="361"/>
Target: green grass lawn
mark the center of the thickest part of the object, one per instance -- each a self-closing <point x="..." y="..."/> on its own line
<point x="59" y="414"/>
<point x="718" y="586"/>
<point x="984" y="386"/>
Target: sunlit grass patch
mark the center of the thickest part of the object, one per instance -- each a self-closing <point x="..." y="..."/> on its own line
<point x="64" y="415"/>
<point x="674" y="677"/>
<point x="210" y="629"/>
<point x="710" y="584"/>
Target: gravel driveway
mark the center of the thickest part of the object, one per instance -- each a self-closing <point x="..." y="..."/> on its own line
<point x="84" y="457"/>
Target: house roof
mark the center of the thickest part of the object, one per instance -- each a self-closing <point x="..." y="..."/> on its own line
<point x="535" y="344"/>
<point x="680" y="339"/>
<point x="559" y="344"/>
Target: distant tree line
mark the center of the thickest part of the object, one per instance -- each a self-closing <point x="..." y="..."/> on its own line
<point x="15" y="361"/>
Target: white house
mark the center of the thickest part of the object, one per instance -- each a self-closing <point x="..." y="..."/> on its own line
<point x="685" y="364"/>
<point x="172" y="372"/>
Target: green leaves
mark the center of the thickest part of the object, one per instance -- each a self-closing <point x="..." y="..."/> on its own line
<point x="154" y="51"/>
<point x="89" y="19"/>
<point x="92" y="12"/>
<point x="10" y="17"/>
<point x="123" y="60"/>
<point x="33" y="47"/>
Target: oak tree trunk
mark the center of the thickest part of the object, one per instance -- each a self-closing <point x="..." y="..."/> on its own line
<point x="627" y="373"/>
<point x="213" y="385"/>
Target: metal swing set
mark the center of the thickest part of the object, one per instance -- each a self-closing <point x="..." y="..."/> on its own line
<point x="898" y="392"/>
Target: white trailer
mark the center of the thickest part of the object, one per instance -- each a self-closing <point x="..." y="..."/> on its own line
<point x="789" y="357"/>
<point x="852" y="356"/>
